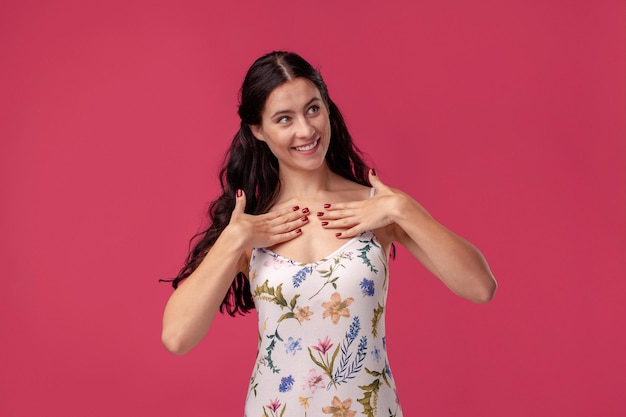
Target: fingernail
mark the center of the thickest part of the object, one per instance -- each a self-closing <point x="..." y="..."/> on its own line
<point x="305" y="218"/>
<point x="320" y="214"/>
<point x="298" y="231"/>
<point x="239" y="192"/>
<point x="305" y="210"/>
<point x="324" y="223"/>
<point x="337" y="234"/>
<point x="373" y="172"/>
<point x="296" y="208"/>
<point x="326" y="205"/>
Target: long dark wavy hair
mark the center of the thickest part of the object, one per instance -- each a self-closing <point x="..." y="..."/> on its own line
<point x="250" y="165"/>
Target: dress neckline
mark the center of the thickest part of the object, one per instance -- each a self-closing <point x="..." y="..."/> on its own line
<point x="332" y="254"/>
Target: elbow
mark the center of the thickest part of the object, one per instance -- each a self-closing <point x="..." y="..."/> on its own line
<point x="485" y="292"/>
<point x="174" y="344"/>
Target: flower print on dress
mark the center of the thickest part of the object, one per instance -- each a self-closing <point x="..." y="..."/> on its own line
<point x="304" y="401"/>
<point x="313" y="381"/>
<point x="273" y="407"/>
<point x="340" y="408"/>
<point x="323" y="346"/>
<point x="336" y="308"/>
<point x="367" y="287"/>
<point x="376" y="354"/>
<point x="388" y="370"/>
<point x="286" y="383"/>
<point x="350" y="363"/>
<point x="303" y="313"/>
<point x="275" y="260"/>
<point x="301" y="275"/>
<point x="293" y="345"/>
<point x="324" y="361"/>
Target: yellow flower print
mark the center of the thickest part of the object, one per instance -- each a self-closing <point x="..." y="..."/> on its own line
<point x="303" y="314"/>
<point x="339" y="408"/>
<point x="304" y="402"/>
<point x="335" y="308"/>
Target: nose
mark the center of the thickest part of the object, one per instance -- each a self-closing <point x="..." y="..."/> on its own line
<point x="304" y="128"/>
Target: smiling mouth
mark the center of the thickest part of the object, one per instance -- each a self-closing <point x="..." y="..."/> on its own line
<point x="308" y="147"/>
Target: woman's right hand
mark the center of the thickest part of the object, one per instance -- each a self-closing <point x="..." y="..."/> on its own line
<point x="269" y="229"/>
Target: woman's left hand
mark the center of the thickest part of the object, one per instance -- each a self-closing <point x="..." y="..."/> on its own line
<point x="357" y="216"/>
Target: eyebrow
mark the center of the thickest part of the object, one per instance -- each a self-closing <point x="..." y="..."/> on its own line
<point x="308" y="103"/>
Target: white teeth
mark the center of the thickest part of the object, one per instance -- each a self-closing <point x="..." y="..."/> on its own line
<point x="308" y="147"/>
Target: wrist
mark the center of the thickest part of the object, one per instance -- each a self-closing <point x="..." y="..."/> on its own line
<point x="234" y="237"/>
<point x="406" y="209"/>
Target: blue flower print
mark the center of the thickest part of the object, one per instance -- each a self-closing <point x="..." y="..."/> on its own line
<point x="301" y="276"/>
<point x="286" y="384"/>
<point x="292" y="345"/>
<point x="367" y="287"/>
<point x="388" y="370"/>
<point x="376" y="354"/>
<point x="354" y="330"/>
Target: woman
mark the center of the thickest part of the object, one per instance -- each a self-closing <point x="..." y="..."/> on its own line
<point x="302" y="232"/>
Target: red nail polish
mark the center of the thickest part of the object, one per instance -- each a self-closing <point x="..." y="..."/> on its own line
<point x="320" y="214"/>
<point x="305" y="219"/>
<point x="326" y="205"/>
<point x="298" y="231"/>
<point x="296" y="208"/>
<point x="337" y="234"/>
<point x="324" y="223"/>
<point x="239" y="192"/>
<point x="305" y="210"/>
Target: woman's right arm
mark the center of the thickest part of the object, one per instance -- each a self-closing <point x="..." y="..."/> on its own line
<point x="191" y="308"/>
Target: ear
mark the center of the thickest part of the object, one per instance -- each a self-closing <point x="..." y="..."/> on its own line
<point x="257" y="131"/>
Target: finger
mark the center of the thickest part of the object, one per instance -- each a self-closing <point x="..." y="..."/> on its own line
<point x="240" y="201"/>
<point x="375" y="180"/>
<point x="343" y="223"/>
<point x="284" y="237"/>
<point x="288" y="225"/>
<point x="337" y="213"/>
<point x="287" y="212"/>
<point x="350" y="233"/>
<point x="284" y="221"/>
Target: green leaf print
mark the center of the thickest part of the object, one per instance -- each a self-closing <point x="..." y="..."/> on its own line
<point x="324" y="363"/>
<point x="378" y="312"/>
<point x="270" y="350"/>
<point x="328" y="273"/>
<point x="275" y="295"/>
<point x="370" y="392"/>
<point x="364" y="250"/>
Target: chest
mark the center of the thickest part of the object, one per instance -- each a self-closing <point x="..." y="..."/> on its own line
<point x="314" y="243"/>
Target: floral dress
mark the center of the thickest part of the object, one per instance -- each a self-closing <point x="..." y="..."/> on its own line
<point x="322" y="348"/>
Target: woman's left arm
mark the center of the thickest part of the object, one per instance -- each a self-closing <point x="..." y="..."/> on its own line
<point x="455" y="261"/>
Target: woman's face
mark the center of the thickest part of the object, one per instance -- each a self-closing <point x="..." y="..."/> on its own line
<point x="295" y="125"/>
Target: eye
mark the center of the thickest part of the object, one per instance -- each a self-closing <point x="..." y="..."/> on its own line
<point x="313" y="109"/>
<point x="283" y="120"/>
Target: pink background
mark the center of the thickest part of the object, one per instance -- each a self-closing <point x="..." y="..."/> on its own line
<point x="506" y="119"/>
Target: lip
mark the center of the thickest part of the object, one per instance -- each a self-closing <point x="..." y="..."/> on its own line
<point x="315" y="144"/>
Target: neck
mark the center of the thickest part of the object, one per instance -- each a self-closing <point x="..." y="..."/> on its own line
<point x="305" y="184"/>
